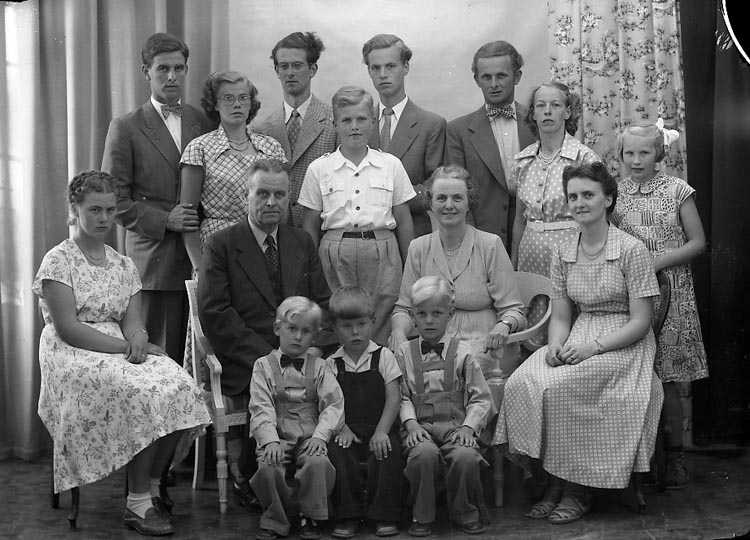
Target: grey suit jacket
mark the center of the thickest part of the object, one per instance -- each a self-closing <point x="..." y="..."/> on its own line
<point x="471" y="144"/>
<point x="140" y="153"/>
<point x="317" y="136"/>
<point x="419" y="142"/>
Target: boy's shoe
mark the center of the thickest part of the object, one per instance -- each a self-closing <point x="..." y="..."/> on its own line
<point x="676" y="476"/>
<point x="473" y="527"/>
<point x="266" y="534"/>
<point x="308" y="529"/>
<point x="346" y="528"/>
<point x="383" y="529"/>
<point x="152" y="524"/>
<point x="420" y="529"/>
<point x="246" y="497"/>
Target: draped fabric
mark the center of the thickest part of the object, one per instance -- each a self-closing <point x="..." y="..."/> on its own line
<point x="624" y="58"/>
<point x="68" y="67"/>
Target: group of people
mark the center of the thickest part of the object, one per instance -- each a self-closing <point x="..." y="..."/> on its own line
<point x="396" y="233"/>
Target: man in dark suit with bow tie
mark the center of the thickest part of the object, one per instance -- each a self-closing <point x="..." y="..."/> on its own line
<point x="485" y="141"/>
<point x="142" y="151"/>
<point x="247" y="270"/>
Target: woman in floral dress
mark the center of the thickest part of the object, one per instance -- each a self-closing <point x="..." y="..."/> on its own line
<point x="108" y="397"/>
<point x="587" y="405"/>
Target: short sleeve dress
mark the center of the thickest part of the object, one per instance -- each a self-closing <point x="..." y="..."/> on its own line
<point x="651" y="212"/>
<point x="100" y="409"/>
<point x="595" y="422"/>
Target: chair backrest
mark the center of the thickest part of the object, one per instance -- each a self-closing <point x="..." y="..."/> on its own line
<point x="665" y="296"/>
<point x="531" y="286"/>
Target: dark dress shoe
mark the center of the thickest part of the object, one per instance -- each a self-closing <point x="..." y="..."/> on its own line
<point x="473" y="527"/>
<point x="246" y="496"/>
<point x="420" y="529"/>
<point x="266" y="534"/>
<point x="309" y="529"/>
<point x="150" y="525"/>
<point x="384" y="529"/>
<point x="346" y="528"/>
<point x="163" y="509"/>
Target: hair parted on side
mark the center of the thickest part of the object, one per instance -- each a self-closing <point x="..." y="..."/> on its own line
<point x="351" y="95"/>
<point x="597" y="172"/>
<point x="498" y="48"/>
<point x="89" y="182"/>
<point x="160" y="43"/>
<point x="294" y="306"/>
<point x="210" y="94"/>
<point x="350" y="302"/>
<point x="572" y="100"/>
<point x="307" y="41"/>
<point x="384" y="41"/>
<point x="269" y="165"/>
<point x="430" y="288"/>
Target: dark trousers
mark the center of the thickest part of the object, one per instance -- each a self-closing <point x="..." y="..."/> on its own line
<point x="384" y="482"/>
<point x="165" y="314"/>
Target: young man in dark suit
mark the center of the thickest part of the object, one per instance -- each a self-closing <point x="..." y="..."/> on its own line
<point x="412" y="134"/>
<point x="247" y="270"/>
<point x="303" y="124"/>
<point x="485" y="141"/>
<point x="142" y="151"/>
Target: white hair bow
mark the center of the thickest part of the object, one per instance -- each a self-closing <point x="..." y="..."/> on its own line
<point x="670" y="135"/>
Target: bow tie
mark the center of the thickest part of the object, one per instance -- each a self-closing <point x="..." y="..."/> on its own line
<point x="174" y="109"/>
<point x="296" y="362"/>
<point x="506" y="110"/>
<point x="427" y="347"/>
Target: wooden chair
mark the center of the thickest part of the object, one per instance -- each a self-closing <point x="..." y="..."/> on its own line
<point x="531" y="285"/>
<point x="207" y="371"/>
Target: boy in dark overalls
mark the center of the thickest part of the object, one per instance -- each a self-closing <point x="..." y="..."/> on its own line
<point x="296" y="405"/>
<point x="369" y="377"/>
<point x="445" y="405"/>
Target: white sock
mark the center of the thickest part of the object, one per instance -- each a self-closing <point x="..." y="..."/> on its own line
<point x="138" y="503"/>
<point x="155" y="483"/>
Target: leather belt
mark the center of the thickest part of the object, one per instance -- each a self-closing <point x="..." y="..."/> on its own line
<point x="362" y="235"/>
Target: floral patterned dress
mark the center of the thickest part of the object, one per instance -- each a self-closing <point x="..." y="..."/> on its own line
<point x="100" y="409"/>
<point x="595" y="422"/>
<point x="651" y="212"/>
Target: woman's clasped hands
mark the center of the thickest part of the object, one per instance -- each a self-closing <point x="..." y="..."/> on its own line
<point x="570" y="354"/>
<point x="138" y="348"/>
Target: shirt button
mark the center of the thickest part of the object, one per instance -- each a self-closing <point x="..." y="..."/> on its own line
<point x="330" y="189"/>
<point x="356" y="191"/>
<point x="355" y="226"/>
<point x="357" y="208"/>
<point x="356" y="174"/>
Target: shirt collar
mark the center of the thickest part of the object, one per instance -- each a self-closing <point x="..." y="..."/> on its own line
<point x="341" y="353"/>
<point x="302" y="109"/>
<point x="157" y="105"/>
<point x="372" y="157"/>
<point x="629" y="187"/>
<point x="569" y="250"/>
<point x="398" y="109"/>
<point x="260" y="236"/>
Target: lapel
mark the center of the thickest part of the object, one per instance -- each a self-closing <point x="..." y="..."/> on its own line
<point x="156" y="131"/>
<point x="275" y="127"/>
<point x="462" y="259"/>
<point x="291" y="260"/>
<point x="312" y="126"/>
<point x="407" y="130"/>
<point x="483" y="141"/>
<point x="251" y="259"/>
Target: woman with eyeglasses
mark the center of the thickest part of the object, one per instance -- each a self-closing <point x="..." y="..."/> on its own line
<point x="214" y="164"/>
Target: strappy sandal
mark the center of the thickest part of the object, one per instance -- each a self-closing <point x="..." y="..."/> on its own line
<point x="549" y="501"/>
<point x="570" y="509"/>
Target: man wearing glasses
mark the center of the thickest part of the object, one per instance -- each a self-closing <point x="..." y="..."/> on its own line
<point x="303" y="124"/>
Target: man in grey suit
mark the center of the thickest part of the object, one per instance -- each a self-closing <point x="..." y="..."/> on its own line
<point x="485" y="141"/>
<point x="303" y="124"/>
<point x="142" y="151"/>
<point x="412" y="134"/>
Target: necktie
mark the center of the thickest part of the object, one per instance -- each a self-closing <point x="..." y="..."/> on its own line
<point x="286" y="360"/>
<point x="174" y="109"/>
<point x="506" y="110"/>
<point x="427" y="347"/>
<point x="385" y="133"/>
<point x="292" y="128"/>
<point x="272" y="254"/>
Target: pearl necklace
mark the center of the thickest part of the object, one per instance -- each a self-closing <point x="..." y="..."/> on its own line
<point x="547" y="160"/>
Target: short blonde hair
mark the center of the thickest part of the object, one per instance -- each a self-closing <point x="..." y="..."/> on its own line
<point x="347" y="96"/>
<point x="647" y="131"/>
<point x="350" y="302"/>
<point x="295" y="306"/>
<point x="429" y="287"/>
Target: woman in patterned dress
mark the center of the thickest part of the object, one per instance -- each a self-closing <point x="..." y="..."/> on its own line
<point x="543" y="220"/>
<point x="660" y="211"/>
<point x="587" y="404"/>
<point x="214" y="164"/>
<point x="108" y="397"/>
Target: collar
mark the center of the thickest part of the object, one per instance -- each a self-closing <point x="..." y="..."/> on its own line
<point x="302" y="109"/>
<point x="260" y="236"/>
<point x="569" y="150"/>
<point x="398" y="109"/>
<point x="157" y="105"/>
<point x="569" y="250"/>
<point x="222" y="142"/>
<point x="629" y="187"/>
<point x="341" y="353"/>
<point x="373" y="157"/>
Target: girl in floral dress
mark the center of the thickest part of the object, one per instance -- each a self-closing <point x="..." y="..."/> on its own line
<point x="660" y="210"/>
<point x="108" y="397"/>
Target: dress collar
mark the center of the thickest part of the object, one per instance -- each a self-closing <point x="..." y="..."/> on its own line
<point x="569" y="250"/>
<point x="629" y="187"/>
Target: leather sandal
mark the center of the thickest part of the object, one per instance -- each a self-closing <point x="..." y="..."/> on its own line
<point x="541" y="510"/>
<point x="570" y="509"/>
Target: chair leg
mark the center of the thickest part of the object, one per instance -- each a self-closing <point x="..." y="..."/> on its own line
<point x="222" y="470"/>
<point x="54" y="497"/>
<point x="498" y="475"/>
<point x="199" y="465"/>
<point x="73" y="515"/>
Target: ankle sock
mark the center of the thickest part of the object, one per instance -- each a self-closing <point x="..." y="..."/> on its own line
<point x="154" y="485"/>
<point x="138" y="503"/>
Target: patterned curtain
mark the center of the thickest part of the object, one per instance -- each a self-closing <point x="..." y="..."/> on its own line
<point x="623" y="57"/>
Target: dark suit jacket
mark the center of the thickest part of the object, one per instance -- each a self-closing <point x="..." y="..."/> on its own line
<point x="140" y="152"/>
<point x="471" y="144"/>
<point x="236" y="303"/>
<point x="317" y="136"/>
<point x="419" y="142"/>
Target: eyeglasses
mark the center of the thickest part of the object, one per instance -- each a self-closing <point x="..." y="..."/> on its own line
<point x="229" y="99"/>
<point x="294" y="66"/>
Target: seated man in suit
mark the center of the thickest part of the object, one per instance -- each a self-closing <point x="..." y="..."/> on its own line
<point x="247" y="270"/>
<point x="485" y="141"/>
<point x="412" y="134"/>
<point x="303" y="124"/>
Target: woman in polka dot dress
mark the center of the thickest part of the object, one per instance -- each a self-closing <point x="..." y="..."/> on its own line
<point x="543" y="221"/>
<point x="587" y="405"/>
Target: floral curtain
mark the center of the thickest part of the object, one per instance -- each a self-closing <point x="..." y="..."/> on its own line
<point x="623" y="57"/>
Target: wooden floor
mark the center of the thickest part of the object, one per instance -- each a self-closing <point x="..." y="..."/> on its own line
<point x="715" y="505"/>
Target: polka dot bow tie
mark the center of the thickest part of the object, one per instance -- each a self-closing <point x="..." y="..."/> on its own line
<point x="174" y="109"/>
<point x="506" y="110"/>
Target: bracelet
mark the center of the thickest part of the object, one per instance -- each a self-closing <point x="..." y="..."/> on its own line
<point x="599" y="346"/>
<point x="138" y="330"/>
